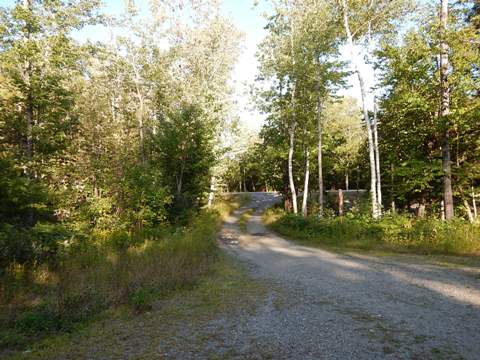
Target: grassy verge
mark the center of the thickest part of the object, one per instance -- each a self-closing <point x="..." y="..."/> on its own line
<point x="230" y="202"/>
<point x="120" y="269"/>
<point x="244" y="218"/>
<point x="176" y="322"/>
<point x="392" y="234"/>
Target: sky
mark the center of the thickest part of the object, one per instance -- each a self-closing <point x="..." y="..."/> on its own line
<point x="249" y="20"/>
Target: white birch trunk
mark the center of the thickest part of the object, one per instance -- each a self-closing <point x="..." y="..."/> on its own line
<point x="444" y="112"/>
<point x="475" y="214"/>
<point x="211" y="195"/>
<point x="377" y="159"/>
<point x="355" y="58"/>
<point x="320" y="149"/>
<point x="469" y="210"/>
<point x="305" y="187"/>
<point x="290" y="169"/>
<point x="293" y="125"/>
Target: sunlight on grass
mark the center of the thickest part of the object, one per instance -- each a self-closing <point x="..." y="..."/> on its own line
<point x="392" y="233"/>
<point x="225" y="289"/>
<point x="244" y="219"/>
<point x="109" y="270"/>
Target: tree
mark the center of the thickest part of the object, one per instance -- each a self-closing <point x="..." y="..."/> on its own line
<point x="411" y="128"/>
<point x="299" y="57"/>
<point x="372" y="17"/>
<point x="444" y="113"/>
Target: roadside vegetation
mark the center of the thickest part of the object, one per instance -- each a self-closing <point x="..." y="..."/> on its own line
<point x="87" y="278"/>
<point x="108" y="157"/>
<point x="244" y="218"/>
<point x="226" y="289"/>
<point x="397" y="233"/>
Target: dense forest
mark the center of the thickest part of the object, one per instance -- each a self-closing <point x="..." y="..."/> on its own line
<point x="115" y="155"/>
<point x="103" y="136"/>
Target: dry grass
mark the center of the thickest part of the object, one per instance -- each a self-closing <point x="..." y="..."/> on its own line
<point x="226" y="290"/>
<point x="92" y="276"/>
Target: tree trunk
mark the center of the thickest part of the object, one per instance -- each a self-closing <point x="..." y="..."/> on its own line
<point x="319" y="149"/>
<point x="211" y="195"/>
<point x="290" y="169"/>
<point x="377" y="158"/>
<point x="179" y="179"/>
<point x="358" y="178"/>
<point x="421" y="208"/>
<point x="27" y="4"/>
<point x="475" y="214"/>
<point x="140" y="112"/>
<point x="340" y="202"/>
<point x="142" y="136"/>
<point x="141" y="105"/>
<point x="347" y="185"/>
<point x="444" y="112"/>
<point x="469" y="210"/>
<point x="305" y="187"/>
<point x="392" y="182"/>
<point x="355" y="58"/>
<point x="292" y="126"/>
<point x="244" y="181"/>
<point x="287" y="204"/>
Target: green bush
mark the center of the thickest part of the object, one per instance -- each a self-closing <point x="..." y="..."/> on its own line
<point x="122" y="268"/>
<point x="29" y="246"/>
<point x="392" y="232"/>
<point x="38" y="321"/>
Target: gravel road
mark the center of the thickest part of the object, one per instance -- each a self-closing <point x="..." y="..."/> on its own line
<point x="325" y="305"/>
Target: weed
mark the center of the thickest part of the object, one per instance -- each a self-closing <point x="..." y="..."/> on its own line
<point x="244" y="218"/>
<point x="393" y="232"/>
<point x="104" y="272"/>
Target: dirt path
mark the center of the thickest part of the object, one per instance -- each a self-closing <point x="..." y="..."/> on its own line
<point x="334" y="306"/>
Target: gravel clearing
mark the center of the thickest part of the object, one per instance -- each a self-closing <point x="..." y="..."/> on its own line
<point x="325" y="305"/>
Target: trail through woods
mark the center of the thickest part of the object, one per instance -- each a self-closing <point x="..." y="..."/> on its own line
<point x="294" y="302"/>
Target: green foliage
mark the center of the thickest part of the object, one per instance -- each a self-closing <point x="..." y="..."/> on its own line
<point x="103" y="138"/>
<point x="106" y="157"/>
<point x="410" y="131"/>
<point x="23" y="200"/>
<point x="91" y="276"/>
<point x="185" y="157"/>
<point x="38" y="321"/>
<point x="392" y="232"/>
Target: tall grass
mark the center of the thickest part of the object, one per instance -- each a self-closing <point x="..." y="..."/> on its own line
<point x="227" y="203"/>
<point x="105" y="271"/>
<point x="393" y="232"/>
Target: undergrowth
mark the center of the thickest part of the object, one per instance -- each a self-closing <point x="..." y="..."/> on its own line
<point x="393" y="232"/>
<point x="115" y="269"/>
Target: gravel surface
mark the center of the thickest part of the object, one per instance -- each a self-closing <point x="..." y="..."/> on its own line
<point x="325" y="305"/>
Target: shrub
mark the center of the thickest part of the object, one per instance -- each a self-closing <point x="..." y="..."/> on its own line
<point x="393" y="232"/>
<point x="122" y="268"/>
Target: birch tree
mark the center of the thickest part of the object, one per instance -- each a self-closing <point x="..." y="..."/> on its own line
<point x="445" y="112"/>
<point x="375" y="15"/>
